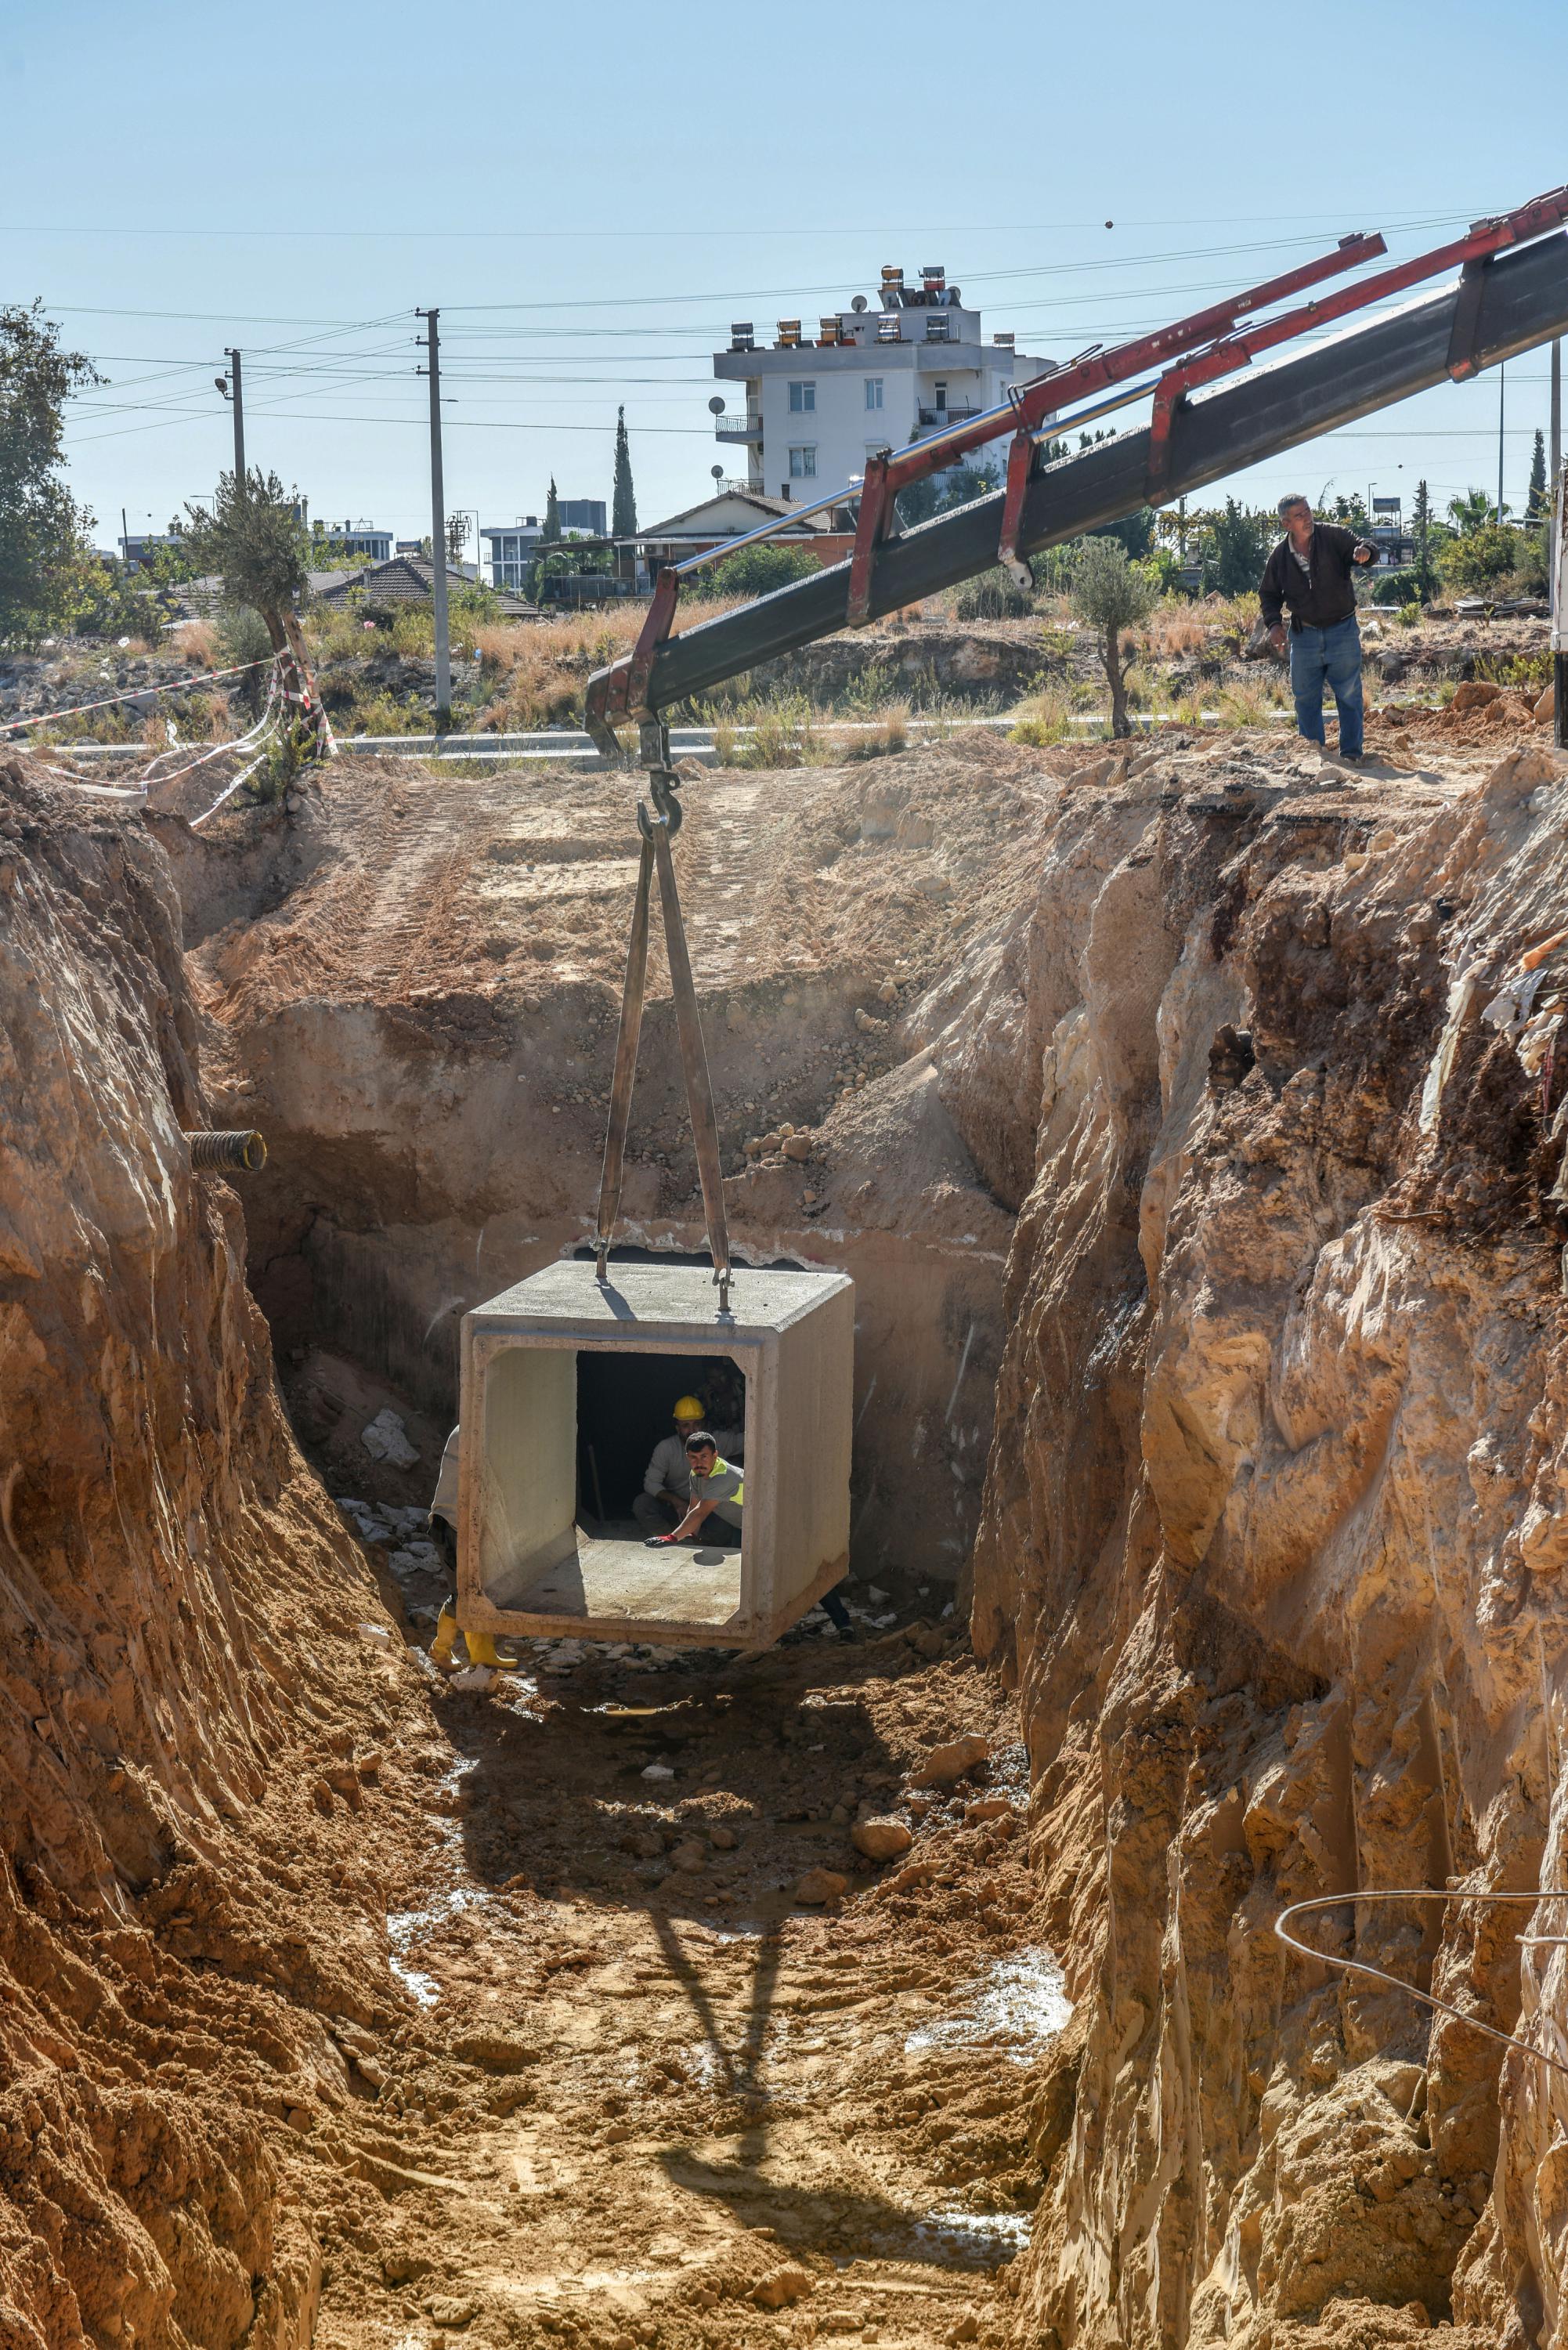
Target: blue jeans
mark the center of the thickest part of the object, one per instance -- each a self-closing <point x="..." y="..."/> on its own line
<point x="1334" y="654"/>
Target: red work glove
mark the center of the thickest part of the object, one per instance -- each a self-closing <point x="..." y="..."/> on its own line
<point x="659" y="1541"/>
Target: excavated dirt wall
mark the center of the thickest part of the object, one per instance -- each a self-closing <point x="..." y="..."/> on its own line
<point x="1273" y="1544"/>
<point x="187" y="1701"/>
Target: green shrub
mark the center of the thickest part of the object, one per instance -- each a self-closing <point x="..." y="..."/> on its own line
<point x="1396" y="588"/>
<point x="1408" y="616"/>
<point x="757" y="571"/>
<point x="1478" y="561"/>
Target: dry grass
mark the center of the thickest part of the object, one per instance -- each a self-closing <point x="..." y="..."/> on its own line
<point x="1046" y="718"/>
<point x="1246" y="705"/>
<point x="196" y="644"/>
<point x="1175" y="629"/>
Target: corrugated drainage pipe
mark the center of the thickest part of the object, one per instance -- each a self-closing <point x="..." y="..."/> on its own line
<point x="213" y="1153"/>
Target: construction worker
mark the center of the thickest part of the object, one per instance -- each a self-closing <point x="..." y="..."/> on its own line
<point x="666" y="1486"/>
<point x="443" y="1533"/>
<point x="1310" y="571"/>
<point x="715" y="1497"/>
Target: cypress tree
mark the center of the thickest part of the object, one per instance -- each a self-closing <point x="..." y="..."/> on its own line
<point x="552" y="529"/>
<point x="623" y="508"/>
<point x="1535" y="506"/>
<point x="1421" y="526"/>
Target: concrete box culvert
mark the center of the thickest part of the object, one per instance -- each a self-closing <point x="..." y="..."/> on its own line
<point x="526" y="1564"/>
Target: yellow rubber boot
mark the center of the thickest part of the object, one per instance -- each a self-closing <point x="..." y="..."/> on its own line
<point x="445" y="1634"/>
<point x="482" y="1649"/>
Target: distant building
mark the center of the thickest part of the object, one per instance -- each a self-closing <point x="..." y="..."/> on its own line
<point x="510" y="550"/>
<point x="362" y="538"/>
<point x="587" y="514"/>
<point x="879" y="374"/>
<point x="733" y="510"/>
<point x="405" y="579"/>
<point x="514" y="547"/>
<point x="139" y="548"/>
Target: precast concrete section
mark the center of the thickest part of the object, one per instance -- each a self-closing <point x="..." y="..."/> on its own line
<point x="527" y="1565"/>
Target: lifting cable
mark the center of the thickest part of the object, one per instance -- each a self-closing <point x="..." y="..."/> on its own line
<point x="659" y="830"/>
<point x="1426" y="1998"/>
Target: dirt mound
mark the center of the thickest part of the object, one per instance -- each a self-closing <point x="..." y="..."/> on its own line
<point x="180" y="1658"/>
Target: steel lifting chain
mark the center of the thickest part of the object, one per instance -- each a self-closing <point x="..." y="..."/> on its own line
<point x="659" y="829"/>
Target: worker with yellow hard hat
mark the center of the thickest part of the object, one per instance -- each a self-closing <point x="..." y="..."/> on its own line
<point x="666" y="1494"/>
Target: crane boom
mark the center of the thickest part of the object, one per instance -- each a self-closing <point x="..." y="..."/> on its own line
<point x="1511" y="293"/>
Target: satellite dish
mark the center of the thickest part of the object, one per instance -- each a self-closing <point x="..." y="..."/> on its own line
<point x="860" y="303"/>
<point x="716" y="405"/>
<point x="717" y="471"/>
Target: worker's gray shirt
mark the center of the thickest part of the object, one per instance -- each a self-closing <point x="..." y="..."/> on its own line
<point x="725" y="1489"/>
<point x="444" y="1502"/>
<point x="667" y="1472"/>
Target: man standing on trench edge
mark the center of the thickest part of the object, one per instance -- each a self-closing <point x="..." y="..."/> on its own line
<point x="1311" y="571"/>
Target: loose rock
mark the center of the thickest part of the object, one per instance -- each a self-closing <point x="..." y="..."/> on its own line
<point x="881" y="1839"/>
<point x="945" y="1763"/>
<point x="783" y="2286"/>
<point x="819" y="1886"/>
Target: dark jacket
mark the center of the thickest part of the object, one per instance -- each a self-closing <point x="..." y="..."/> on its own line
<point x="1329" y="597"/>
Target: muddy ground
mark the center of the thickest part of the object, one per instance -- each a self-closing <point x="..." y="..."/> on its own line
<point x="643" y="2093"/>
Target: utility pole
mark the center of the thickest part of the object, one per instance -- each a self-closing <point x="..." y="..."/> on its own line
<point x="236" y="394"/>
<point x="1502" y="384"/>
<point x="438" y="526"/>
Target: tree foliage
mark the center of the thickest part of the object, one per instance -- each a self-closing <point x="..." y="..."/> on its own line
<point x="1481" y="556"/>
<point x="252" y="538"/>
<point x="1473" y="512"/>
<point x="1110" y="594"/>
<point x="623" y="497"/>
<point x="1239" y="544"/>
<point x="552" y="530"/>
<point x="940" y="494"/>
<point x="42" y="528"/>
<point x="756" y="571"/>
<point x="1537" y="506"/>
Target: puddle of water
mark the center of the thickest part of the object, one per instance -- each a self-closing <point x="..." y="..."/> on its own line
<point x="1018" y="2003"/>
<point x="977" y="2238"/>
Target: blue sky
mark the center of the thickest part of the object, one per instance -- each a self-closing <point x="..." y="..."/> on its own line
<point x="590" y="194"/>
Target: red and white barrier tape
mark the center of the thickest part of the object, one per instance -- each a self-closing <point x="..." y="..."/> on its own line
<point x="133" y="693"/>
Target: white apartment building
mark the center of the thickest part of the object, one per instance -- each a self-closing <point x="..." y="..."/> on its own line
<point x="879" y="374"/>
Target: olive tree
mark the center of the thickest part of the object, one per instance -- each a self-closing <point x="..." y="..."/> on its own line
<point x="1111" y="594"/>
<point x="43" y="530"/>
<point x="252" y="537"/>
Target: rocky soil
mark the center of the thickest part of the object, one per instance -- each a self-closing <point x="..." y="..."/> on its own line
<point x="1190" y="1117"/>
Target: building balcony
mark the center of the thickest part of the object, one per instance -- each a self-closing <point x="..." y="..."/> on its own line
<point x="936" y="419"/>
<point x="732" y="428"/>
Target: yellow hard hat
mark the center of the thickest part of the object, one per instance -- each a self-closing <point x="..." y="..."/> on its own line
<point x="688" y="1409"/>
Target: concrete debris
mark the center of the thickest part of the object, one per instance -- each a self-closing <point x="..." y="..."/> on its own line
<point x="473" y="1680"/>
<point x="386" y="1438"/>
